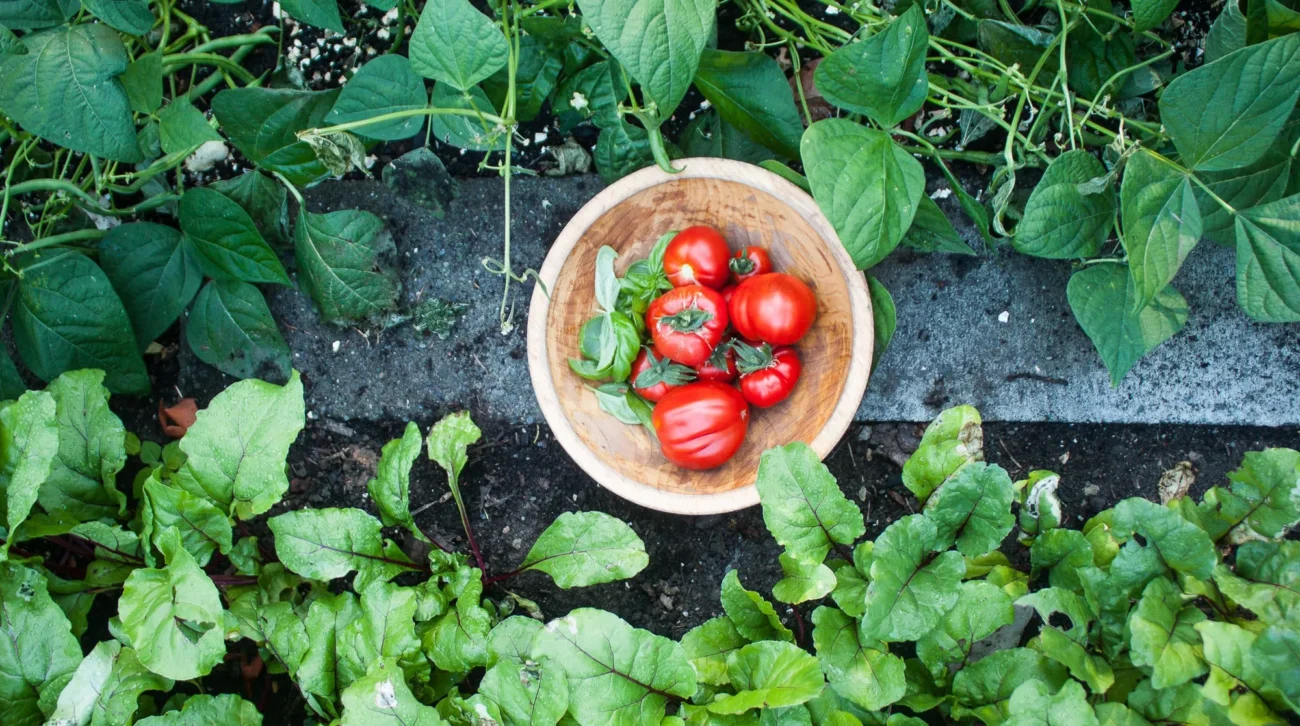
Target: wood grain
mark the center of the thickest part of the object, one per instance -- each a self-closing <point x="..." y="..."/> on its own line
<point x="750" y="206"/>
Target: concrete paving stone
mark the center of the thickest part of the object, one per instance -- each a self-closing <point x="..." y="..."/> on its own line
<point x="993" y="331"/>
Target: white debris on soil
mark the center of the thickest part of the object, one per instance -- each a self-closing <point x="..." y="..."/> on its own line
<point x="1004" y="316"/>
<point x="207" y="156"/>
<point x="943" y="193"/>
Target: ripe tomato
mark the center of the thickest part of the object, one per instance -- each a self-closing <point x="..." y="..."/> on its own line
<point x="774" y="308"/>
<point x="749" y="262"/>
<point x="727" y="292"/>
<point x="697" y="256"/>
<point x="767" y="376"/>
<point x="652" y="375"/>
<point x="686" y="323"/>
<point x="721" y="366"/>
<point x="700" y="425"/>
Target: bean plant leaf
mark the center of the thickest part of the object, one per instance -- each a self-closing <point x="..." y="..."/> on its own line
<point x="339" y="260"/>
<point x="264" y="123"/>
<point x="154" y="274"/>
<point x="1162" y="223"/>
<point x="1095" y="55"/>
<point x="884" y="318"/>
<point x="932" y="232"/>
<point x="883" y="76"/>
<point x="231" y="328"/>
<point x="1226" y="114"/>
<point x="973" y="508"/>
<point x="106" y="687"/>
<point x="143" y="82"/>
<point x="1164" y="636"/>
<point x="1249" y="186"/>
<point x="866" y="185"/>
<point x="323" y="544"/>
<point x="173" y="616"/>
<point x="29" y="445"/>
<point x="225" y="239"/>
<point x="455" y="43"/>
<point x="382" y="86"/>
<point x="981" y="609"/>
<point x="265" y="200"/>
<point x="38" y="653"/>
<point x="474" y="132"/>
<point x="1147" y="14"/>
<point x="803" y="506"/>
<point x="66" y="316"/>
<point x="983" y="689"/>
<point x="770" y="674"/>
<point x="1035" y="703"/>
<point x="1181" y="545"/>
<point x="391" y="487"/>
<point x="227" y="709"/>
<point x="658" y="42"/>
<point x="320" y="13"/>
<point x="1103" y="298"/>
<point x="535" y="78"/>
<point x="1015" y="43"/>
<point x="37" y="14"/>
<point x="750" y="92"/>
<point x="1268" y="260"/>
<point x="1266" y="580"/>
<point x="1227" y="33"/>
<point x="707" y="646"/>
<point x="183" y="128"/>
<point x="617" y="674"/>
<point x="864" y="673"/>
<point x="129" y="16"/>
<point x="1060" y="221"/>
<point x="236" y="449"/>
<point x="592" y="94"/>
<point x="911" y="587"/>
<point x="751" y="613"/>
<point x="587" y="548"/>
<point x="66" y="90"/>
<point x="802" y="581"/>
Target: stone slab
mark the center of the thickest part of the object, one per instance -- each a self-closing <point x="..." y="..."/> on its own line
<point x="993" y="331"/>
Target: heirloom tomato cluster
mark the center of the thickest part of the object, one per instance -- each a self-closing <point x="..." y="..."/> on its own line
<point x="693" y="336"/>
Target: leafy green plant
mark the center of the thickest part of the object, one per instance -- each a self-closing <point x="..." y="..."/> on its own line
<point x="1174" y="613"/>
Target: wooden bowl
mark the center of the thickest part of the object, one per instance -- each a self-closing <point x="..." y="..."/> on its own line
<point x="750" y="205"/>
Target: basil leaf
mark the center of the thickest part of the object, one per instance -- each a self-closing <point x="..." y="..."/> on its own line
<point x="231" y="329"/>
<point x="456" y="44"/>
<point x="607" y="285"/>
<point x="153" y="272"/>
<point x="383" y="85"/>
<point x="1103" y="299"/>
<point x="750" y="93"/>
<point x="883" y="76"/>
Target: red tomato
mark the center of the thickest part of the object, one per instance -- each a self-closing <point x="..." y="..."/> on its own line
<point x="697" y="256"/>
<point x="652" y="375"/>
<point x="727" y="292"/>
<point x="749" y="262"/>
<point x="721" y="366"/>
<point x="774" y="308"/>
<point x="686" y="323"/>
<point x="700" y="425"/>
<point x="767" y="376"/>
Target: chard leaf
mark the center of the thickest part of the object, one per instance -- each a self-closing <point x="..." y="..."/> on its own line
<point x="226" y="709"/>
<point x="981" y="609"/>
<point x="1267" y="580"/>
<point x="803" y="506"/>
<point x="29" y="443"/>
<point x="883" y="76"/>
<point x="1181" y="545"/>
<point x="1264" y="500"/>
<point x="457" y="641"/>
<point x="1235" y="680"/>
<point x="512" y="640"/>
<point x="707" y="646"/>
<point x="1164" y="637"/>
<point x="914" y="581"/>
<point x="587" y="548"/>
<point x="391" y="487"/>
<point x="322" y="544"/>
<point x="617" y="674"/>
<point x="38" y="652"/>
<point x="106" y="688"/>
<point x="202" y="527"/>
<point x="768" y="675"/>
<point x="1087" y="667"/>
<point x="1062" y="552"/>
<point x="1183" y="704"/>
<point x="984" y="688"/>
<point x="1276" y="655"/>
<point x="954" y="439"/>
<point x="1103" y="298"/>
<point x="384" y="630"/>
<point x="339" y="263"/>
<point x="865" y="674"/>
<point x="456" y="44"/>
<point x="1226" y="114"/>
<point x="753" y="616"/>
<point x="236" y="449"/>
<point x="1036" y="703"/>
<point x="528" y="693"/>
<point x="866" y="185"/>
<point x="327" y="617"/>
<point x="973" y="508"/>
<point x="802" y="582"/>
<point x="1162" y="223"/>
<point x="1061" y="222"/>
<point x="173" y="615"/>
<point x="449" y="441"/>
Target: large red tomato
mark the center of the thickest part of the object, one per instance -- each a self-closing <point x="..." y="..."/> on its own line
<point x="697" y="256"/>
<point x="767" y="376"/>
<point x="687" y="323"/>
<point x="774" y="308"/>
<point x="701" y="425"/>
<point x="750" y="261"/>
<point x="653" y="375"/>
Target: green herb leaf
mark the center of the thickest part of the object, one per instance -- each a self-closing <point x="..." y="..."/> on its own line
<point x="1226" y="114"/>
<point x="769" y="675"/>
<point x="1061" y="222"/>
<point x="750" y="92"/>
<point x="154" y="274"/>
<point x="231" y="328"/>
<point x="225" y="240"/>
<point x="802" y="581"/>
<point x="866" y="674"/>
<point x="883" y="76"/>
<point x="173" y="616"/>
<point x="106" y="687"/>
<point x="1103" y="298"/>
<point x="456" y="44"/>
<point x="391" y="487"/>
<point x="911" y="588"/>
<point x="866" y="185"/>
<point x="707" y="646"/>
<point x="617" y="674"/>
<point x="1268" y="257"/>
<point x="658" y="42"/>
<point x="973" y="508"/>
<point x="587" y="548"/>
<point x="65" y="89"/>
<point x="237" y="448"/>
<point x="980" y="610"/>
<point x="751" y="613"/>
<point x="66" y="317"/>
<point x="383" y="85"/>
<point x="803" y="506"/>
<point x="1162" y="223"/>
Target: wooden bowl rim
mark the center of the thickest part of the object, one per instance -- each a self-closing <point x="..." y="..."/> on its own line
<point x="539" y="367"/>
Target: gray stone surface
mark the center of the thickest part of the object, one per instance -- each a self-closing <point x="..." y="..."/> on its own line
<point x="952" y="345"/>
